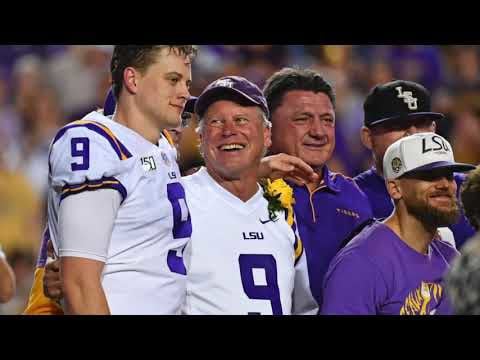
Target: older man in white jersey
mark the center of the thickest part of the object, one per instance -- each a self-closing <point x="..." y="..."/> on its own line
<point x="245" y="256"/>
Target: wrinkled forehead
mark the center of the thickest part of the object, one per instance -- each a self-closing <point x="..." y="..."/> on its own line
<point x="232" y="106"/>
<point x="296" y="101"/>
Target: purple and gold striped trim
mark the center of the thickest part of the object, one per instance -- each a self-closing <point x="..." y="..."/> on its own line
<point x="42" y="256"/>
<point x="103" y="183"/>
<point x="168" y="137"/>
<point x="298" y="246"/>
<point x="294" y="225"/>
<point x="100" y="129"/>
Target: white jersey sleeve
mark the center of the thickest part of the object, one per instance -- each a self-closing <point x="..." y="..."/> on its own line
<point x="303" y="302"/>
<point x="92" y="241"/>
<point x="86" y="156"/>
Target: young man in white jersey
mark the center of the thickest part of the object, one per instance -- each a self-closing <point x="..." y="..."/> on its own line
<point x="242" y="259"/>
<point x="117" y="213"/>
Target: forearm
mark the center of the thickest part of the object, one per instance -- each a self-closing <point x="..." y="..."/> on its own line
<point x="83" y="248"/>
<point x="7" y="281"/>
<point x="85" y="297"/>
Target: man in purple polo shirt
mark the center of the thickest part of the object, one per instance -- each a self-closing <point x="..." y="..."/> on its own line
<point x="330" y="206"/>
<point x="396" y="267"/>
<point x="394" y="110"/>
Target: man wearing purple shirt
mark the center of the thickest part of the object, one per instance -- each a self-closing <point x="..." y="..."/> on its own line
<point x="329" y="206"/>
<point x="396" y="267"/>
<point x="393" y="110"/>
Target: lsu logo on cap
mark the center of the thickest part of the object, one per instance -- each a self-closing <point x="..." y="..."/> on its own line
<point x="396" y="164"/>
<point x="407" y="97"/>
<point x="224" y="83"/>
<point x="434" y="143"/>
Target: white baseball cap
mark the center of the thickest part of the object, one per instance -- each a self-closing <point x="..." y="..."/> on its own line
<point x="420" y="152"/>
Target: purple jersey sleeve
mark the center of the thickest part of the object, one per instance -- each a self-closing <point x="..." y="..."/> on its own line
<point x="353" y="286"/>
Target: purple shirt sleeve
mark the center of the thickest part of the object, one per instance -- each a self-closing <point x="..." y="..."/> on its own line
<point x="353" y="286"/>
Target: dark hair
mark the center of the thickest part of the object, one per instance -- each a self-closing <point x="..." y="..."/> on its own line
<point x="470" y="195"/>
<point x="289" y="79"/>
<point x="139" y="57"/>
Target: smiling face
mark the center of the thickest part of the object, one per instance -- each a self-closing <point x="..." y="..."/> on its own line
<point x="304" y="126"/>
<point x="430" y="196"/>
<point x="233" y="139"/>
<point x="163" y="87"/>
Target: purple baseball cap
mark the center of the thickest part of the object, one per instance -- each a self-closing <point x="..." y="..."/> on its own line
<point x="110" y="103"/>
<point x="231" y="88"/>
<point x="190" y="104"/>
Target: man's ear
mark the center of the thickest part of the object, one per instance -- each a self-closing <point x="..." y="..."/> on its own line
<point x="394" y="189"/>
<point x="267" y="137"/>
<point x="200" y="141"/>
<point x="366" y="137"/>
<point x="130" y="79"/>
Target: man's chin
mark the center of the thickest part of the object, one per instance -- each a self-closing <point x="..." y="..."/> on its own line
<point x="436" y="216"/>
<point x="314" y="163"/>
<point x="172" y="121"/>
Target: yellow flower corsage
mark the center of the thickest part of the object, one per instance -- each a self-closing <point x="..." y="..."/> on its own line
<point x="280" y="197"/>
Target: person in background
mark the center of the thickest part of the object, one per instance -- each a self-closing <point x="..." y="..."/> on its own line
<point x="463" y="279"/>
<point x="7" y="279"/>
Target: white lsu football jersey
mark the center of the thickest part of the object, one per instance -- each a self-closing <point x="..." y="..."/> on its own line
<point x="144" y="272"/>
<point x="238" y="260"/>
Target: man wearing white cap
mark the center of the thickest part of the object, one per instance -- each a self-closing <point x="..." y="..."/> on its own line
<point x="396" y="267"/>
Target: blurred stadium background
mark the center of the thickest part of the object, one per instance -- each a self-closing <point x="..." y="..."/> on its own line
<point x="42" y="87"/>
